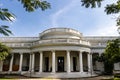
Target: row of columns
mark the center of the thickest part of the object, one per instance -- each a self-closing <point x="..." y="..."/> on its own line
<point x="32" y="60"/>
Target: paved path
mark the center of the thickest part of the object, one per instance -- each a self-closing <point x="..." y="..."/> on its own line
<point x="17" y="77"/>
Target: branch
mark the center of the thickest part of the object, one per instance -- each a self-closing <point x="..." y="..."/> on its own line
<point x="5" y="15"/>
<point x="91" y="3"/>
<point x="4" y="30"/>
<point x="32" y="5"/>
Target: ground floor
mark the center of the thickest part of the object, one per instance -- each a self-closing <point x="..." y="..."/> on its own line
<point x="50" y="63"/>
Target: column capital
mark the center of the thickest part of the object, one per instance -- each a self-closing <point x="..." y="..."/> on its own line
<point x="53" y="51"/>
<point x="89" y="53"/>
<point x="40" y="51"/>
<point x="20" y="52"/>
<point x="82" y="51"/>
<point x="67" y="50"/>
<point x="12" y="54"/>
<point x="31" y="53"/>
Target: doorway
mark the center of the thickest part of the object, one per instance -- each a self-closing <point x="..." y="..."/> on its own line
<point x="46" y="64"/>
<point x="60" y="63"/>
<point x="74" y="64"/>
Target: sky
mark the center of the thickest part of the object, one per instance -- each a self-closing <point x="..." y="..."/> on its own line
<point x="65" y="13"/>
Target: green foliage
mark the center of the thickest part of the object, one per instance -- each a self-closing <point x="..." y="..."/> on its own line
<point x="113" y="8"/>
<point x="4" y="30"/>
<point x="32" y="5"/>
<point x="29" y="5"/>
<point x="108" y="67"/>
<point x="5" y="15"/>
<point x="112" y="51"/>
<point x="4" y="51"/>
<point x="109" y="9"/>
<point x="117" y="75"/>
<point x="111" y="55"/>
<point x="91" y="3"/>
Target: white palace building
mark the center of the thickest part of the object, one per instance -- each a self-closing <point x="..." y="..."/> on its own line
<point x="56" y="53"/>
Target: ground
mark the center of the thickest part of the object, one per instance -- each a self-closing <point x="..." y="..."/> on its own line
<point x="18" y="77"/>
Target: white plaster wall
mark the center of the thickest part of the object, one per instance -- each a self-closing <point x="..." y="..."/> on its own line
<point x="117" y="66"/>
<point x="100" y="66"/>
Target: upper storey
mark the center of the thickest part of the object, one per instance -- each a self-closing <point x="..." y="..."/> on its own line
<point x="55" y="33"/>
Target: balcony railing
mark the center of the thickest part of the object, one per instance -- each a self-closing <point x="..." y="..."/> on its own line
<point x="15" y="39"/>
<point x="53" y="41"/>
<point x="19" y="44"/>
<point x="60" y="29"/>
<point x="60" y="41"/>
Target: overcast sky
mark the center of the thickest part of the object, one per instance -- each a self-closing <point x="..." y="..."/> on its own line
<point x="65" y="13"/>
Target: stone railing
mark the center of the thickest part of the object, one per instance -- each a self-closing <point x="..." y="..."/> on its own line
<point x="51" y="41"/>
<point x="15" y="39"/>
<point x="98" y="44"/>
<point x="54" y="41"/>
<point x="61" y="41"/>
<point x="61" y="30"/>
<point x="19" y="44"/>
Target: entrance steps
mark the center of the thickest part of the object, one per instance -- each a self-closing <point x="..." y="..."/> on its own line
<point x="60" y="75"/>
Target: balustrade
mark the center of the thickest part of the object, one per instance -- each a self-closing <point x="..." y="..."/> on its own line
<point x="51" y="41"/>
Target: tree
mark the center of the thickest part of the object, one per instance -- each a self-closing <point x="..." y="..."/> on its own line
<point x="4" y="51"/>
<point x="111" y="55"/>
<point x="109" y="9"/>
<point x="29" y="5"/>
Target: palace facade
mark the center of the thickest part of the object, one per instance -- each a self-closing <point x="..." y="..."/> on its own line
<point x="57" y="52"/>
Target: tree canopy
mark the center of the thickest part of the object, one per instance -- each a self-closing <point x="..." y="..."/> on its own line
<point x="111" y="55"/>
<point x="28" y="5"/>
<point x="4" y="51"/>
<point x="112" y="51"/>
<point x="113" y="8"/>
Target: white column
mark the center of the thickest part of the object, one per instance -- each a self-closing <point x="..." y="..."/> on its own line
<point x="68" y="61"/>
<point x="11" y="62"/>
<point x="91" y="62"/>
<point x="1" y="65"/>
<point x="89" y="66"/>
<point x="21" y="60"/>
<point x="81" y="61"/>
<point x="33" y="61"/>
<point x="41" y="62"/>
<point x="53" y="61"/>
<point x="30" y="61"/>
